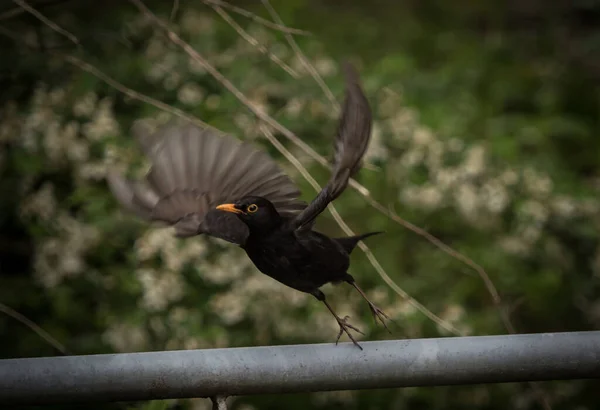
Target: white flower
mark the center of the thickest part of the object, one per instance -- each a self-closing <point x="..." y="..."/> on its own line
<point x="423" y="136"/>
<point x="152" y="242"/>
<point x="212" y="102"/>
<point x="103" y="122"/>
<point x="93" y="170"/>
<point x="509" y="177"/>
<point x="84" y="107"/>
<point x="124" y="337"/>
<point x="455" y="144"/>
<point x="429" y="197"/>
<point x="42" y="203"/>
<point x="78" y="151"/>
<point x="411" y="158"/>
<point x="52" y="142"/>
<point x="190" y="93"/>
<point x="155" y="49"/>
<point x="172" y="81"/>
<point x="495" y="196"/>
<point x="195" y="23"/>
<point x="445" y="178"/>
<point x="229" y="307"/>
<point x="467" y="199"/>
<point x="535" y="210"/>
<point x="159" y="288"/>
<point x="474" y="163"/>
<point x="376" y="148"/>
<point x="294" y="107"/>
<point x="325" y="66"/>
<point x="435" y="154"/>
<point x="536" y="183"/>
<point x="196" y="67"/>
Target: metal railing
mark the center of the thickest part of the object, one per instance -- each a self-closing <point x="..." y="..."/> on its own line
<point x="300" y="368"/>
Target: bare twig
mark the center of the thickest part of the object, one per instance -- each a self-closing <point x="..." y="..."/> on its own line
<point x="286" y="132"/>
<point x="179" y="113"/>
<point x="46" y="21"/>
<point x="132" y="93"/>
<point x="309" y="67"/>
<point x="340" y="221"/>
<point x="254" y="17"/>
<point x="455" y="254"/>
<point x="491" y="288"/>
<point x="254" y="42"/>
<point x="489" y="284"/>
<point x="260" y="114"/>
<point x="15" y="37"/>
<point x="37" y="329"/>
<point x="292" y="137"/>
<point x="276" y="125"/>
<point x="17" y="11"/>
<point x="11" y="13"/>
<point x="189" y="50"/>
<point x="174" y="10"/>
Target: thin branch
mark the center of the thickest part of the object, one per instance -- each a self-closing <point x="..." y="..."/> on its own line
<point x="276" y="125"/>
<point x="455" y="254"/>
<point x="174" y="10"/>
<point x="46" y="21"/>
<point x="292" y="137"/>
<point x="144" y="98"/>
<point x="257" y="19"/>
<point x="17" y="11"/>
<point x="37" y="329"/>
<point x="15" y="37"/>
<point x="11" y="13"/>
<point x="189" y="50"/>
<point x="309" y="67"/>
<point x="254" y="42"/>
<point x="491" y="288"/>
<point x="132" y="93"/>
<point x="340" y="221"/>
<point x="286" y="132"/>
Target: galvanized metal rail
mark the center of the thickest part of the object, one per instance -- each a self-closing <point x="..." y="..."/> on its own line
<point x="300" y="368"/>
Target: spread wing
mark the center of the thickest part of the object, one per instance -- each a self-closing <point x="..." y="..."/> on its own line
<point x="193" y="170"/>
<point x="353" y="134"/>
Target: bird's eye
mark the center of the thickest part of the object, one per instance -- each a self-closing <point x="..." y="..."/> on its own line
<point x="252" y="208"/>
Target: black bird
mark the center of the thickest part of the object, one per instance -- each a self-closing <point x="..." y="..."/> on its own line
<point x="204" y="183"/>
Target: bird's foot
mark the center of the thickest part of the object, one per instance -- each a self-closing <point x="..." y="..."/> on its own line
<point x="346" y="327"/>
<point x="379" y="314"/>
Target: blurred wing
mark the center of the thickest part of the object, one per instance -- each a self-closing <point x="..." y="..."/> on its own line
<point x="353" y="134"/>
<point x="193" y="170"/>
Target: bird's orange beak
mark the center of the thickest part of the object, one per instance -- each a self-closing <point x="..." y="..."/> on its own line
<point x="229" y="208"/>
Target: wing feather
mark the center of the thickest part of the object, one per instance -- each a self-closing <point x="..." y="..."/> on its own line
<point x="193" y="170"/>
<point x="352" y="139"/>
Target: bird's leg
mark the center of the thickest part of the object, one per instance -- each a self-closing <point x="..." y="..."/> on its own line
<point x="344" y="326"/>
<point x="377" y="313"/>
<point x="343" y="323"/>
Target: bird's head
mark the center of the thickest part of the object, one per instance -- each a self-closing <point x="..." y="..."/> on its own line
<point x="256" y="212"/>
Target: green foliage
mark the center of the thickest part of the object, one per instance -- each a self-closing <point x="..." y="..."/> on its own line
<point x="485" y="138"/>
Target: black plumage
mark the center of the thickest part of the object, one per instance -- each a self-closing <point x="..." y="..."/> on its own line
<point x="204" y="183"/>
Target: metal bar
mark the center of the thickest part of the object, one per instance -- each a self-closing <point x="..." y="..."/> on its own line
<point x="301" y="368"/>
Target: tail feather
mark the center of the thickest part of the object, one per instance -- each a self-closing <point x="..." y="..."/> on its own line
<point x="349" y="242"/>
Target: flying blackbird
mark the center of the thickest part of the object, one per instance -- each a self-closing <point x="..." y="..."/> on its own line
<point x="204" y="183"/>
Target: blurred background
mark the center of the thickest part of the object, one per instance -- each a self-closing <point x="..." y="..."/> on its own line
<point x="486" y="135"/>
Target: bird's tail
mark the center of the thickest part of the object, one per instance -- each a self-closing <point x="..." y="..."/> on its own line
<point x="349" y="242"/>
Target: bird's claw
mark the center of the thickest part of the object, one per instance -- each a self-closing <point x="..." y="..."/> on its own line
<point x="344" y="327"/>
<point x="380" y="314"/>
